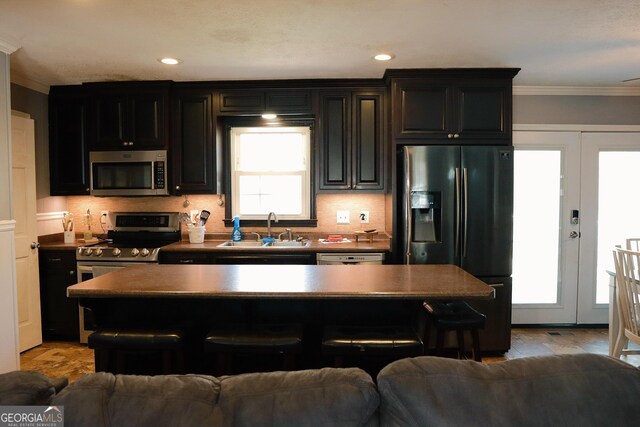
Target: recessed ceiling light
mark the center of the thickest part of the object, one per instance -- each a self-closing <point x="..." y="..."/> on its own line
<point x="383" y="57"/>
<point x="170" y="61"/>
<point x="269" y="116"/>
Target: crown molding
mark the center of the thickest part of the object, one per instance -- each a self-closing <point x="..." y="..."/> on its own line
<point x="8" y="44"/>
<point x="23" y="81"/>
<point x="577" y="90"/>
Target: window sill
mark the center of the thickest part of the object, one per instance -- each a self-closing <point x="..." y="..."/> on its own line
<point x="280" y="223"/>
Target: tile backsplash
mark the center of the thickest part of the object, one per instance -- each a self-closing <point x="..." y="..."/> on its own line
<point x="327" y="207"/>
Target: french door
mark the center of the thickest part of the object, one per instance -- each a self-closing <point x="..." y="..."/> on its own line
<point x="574" y="201"/>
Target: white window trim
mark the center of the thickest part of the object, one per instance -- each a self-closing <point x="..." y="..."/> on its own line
<point x="306" y="174"/>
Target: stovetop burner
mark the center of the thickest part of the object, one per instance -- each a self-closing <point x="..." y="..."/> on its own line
<point x="133" y="237"/>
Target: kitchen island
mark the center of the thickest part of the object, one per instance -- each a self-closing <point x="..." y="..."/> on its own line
<point x="195" y="298"/>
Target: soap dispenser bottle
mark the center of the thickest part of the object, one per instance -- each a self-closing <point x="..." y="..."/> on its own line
<point x="236" y="234"/>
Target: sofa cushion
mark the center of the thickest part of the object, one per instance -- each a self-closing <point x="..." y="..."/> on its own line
<point x="342" y="397"/>
<point x="561" y="390"/>
<point x="27" y="388"/>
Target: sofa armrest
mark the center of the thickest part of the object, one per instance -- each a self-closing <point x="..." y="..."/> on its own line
<point x="579" y="389"/>
<point x="28" y="388"/>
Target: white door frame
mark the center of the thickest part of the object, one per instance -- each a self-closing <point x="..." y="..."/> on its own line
<point x="564" y="310"/>
<point x="586" y="312"/>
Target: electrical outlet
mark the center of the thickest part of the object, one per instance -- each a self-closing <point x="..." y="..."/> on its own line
<point x="343" y="217"/>
<point x="364" y="217"/>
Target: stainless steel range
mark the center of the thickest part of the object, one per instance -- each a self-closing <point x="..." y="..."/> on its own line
<point x="132" y="238"/>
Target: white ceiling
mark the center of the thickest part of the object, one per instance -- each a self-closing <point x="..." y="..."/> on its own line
<point x="555" y="42"/>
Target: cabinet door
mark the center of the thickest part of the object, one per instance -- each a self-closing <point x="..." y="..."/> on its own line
<point x="59" y="313"/>
<point x="68" y="145"/>
<point x="242" y="101"/>
<point x="110" y="123"/>
<point x="334" y="157"/>
<point x="194" y="158"/>
<point x="184" y="258"/>
<point x="483" y="110"/>
<point x="146" y="122"/>
<point x="288" y="101"/>
<point x="421" y="108"/>
<point x="368" y="141"/>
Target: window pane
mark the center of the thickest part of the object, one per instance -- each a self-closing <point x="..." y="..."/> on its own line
<point x="536" y="220"/>
<point x="271" y="152"/>
<point x="263" y="194"/>
<point x="618" y="207"/>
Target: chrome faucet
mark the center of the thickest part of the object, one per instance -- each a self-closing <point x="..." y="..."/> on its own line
<point x="269" y="222"/>
<point x="288" y="233"/>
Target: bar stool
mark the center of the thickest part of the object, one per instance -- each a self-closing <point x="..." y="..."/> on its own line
<point x="278" y="338"/>
<point x="455" y="316"/>
<point x="112" y="345"/>
<point x="386" y="340"/>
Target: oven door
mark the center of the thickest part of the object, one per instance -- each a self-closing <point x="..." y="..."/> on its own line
<point x="87" y="271"/>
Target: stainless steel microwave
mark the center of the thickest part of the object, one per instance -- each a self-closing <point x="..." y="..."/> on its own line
<point x="128" y="173"/>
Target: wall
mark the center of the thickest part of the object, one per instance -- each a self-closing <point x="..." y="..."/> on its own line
<point x="327" y="205"/>
<point x="9" y="356"/>
<point x="576" y="109"/>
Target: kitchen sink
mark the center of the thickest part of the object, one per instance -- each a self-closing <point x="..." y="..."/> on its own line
<point x="258" y="244"/>
<point x="242" y="244"/>
<point x="289" y="244"/>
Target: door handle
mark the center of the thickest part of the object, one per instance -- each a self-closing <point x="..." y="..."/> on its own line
<point x="35" y="245"/>
<point x="574" y="234"/>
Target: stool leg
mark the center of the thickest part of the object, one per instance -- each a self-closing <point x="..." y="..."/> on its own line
<point x="427" y="336"/>
<point x="224" y="364"/>
<point x="338" y="362"/>
<point x="439" y="342"/>
<point x="166" y="362"/>
<point x="120" y="362"/>
<point x="101" y="359"/>
<point x="460" y="335"/>
<point x="475" y="336"/>
<point x="289" y="361"/>
<point x="179" y="358"/>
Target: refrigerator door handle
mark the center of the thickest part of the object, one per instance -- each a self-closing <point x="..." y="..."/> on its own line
<point x="407" y="191"/>
<point x="465" y="177"/>
<point x="457" y="239"/>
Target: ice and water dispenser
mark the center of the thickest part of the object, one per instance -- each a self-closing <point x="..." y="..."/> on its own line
<point x="426" y="216"/>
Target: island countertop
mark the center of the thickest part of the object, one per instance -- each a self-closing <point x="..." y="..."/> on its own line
<point x="286" y="281"/>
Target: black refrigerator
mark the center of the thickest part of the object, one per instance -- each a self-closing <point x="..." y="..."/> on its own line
<point x="456" y="207"/>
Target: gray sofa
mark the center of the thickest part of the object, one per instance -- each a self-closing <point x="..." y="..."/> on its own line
<point x="567" y="390"/>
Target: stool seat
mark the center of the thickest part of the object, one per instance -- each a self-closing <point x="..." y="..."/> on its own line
<point x="248" y="338"/>
<point x="378" y="340"/>
<point x="138" y="339"/>
<point x="455" y="316"/>
<point x="113" y="347"/>
<point x="278" y="338"/>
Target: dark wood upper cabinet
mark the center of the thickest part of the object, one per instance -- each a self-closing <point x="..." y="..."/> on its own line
<point x="457" y="108"/>
<point x="255" y="101"/>
<point x="193" y="148"/>
<point x="68" y="141"/>
<point x="130" y="116"/>
<point x="351" y="141"/>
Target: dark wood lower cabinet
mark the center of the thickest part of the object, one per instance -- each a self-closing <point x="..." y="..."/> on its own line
<point x="59" y="313"/>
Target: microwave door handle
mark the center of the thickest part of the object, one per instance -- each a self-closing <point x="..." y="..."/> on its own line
<point x="407" y="217"/>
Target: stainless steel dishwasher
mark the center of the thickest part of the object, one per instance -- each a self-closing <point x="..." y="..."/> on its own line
<point x="349" y="258"/>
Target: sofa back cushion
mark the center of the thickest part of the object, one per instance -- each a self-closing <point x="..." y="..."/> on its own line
<point x="562" y="390"/>
<point x="25" y="388"/>
<point x="340" y="397"/>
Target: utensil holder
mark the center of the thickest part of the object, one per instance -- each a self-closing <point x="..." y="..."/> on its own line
<point x="196" y="234"/>
<point x="69" y="236"/>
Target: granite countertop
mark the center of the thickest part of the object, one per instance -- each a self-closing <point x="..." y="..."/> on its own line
<point x="407" y="282"/>
<point x="381" y="245"/>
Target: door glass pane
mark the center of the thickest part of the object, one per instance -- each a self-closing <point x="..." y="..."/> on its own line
<point x="618" y="208"/>
<point x="536" y="221"/>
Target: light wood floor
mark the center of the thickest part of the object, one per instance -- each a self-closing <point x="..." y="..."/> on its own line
<point x="56" y="359"/>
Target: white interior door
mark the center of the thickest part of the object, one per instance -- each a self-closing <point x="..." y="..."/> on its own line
<point x="24" y="212"/>
<point x="546" y="243"/>
<point x="610" y="206"/>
